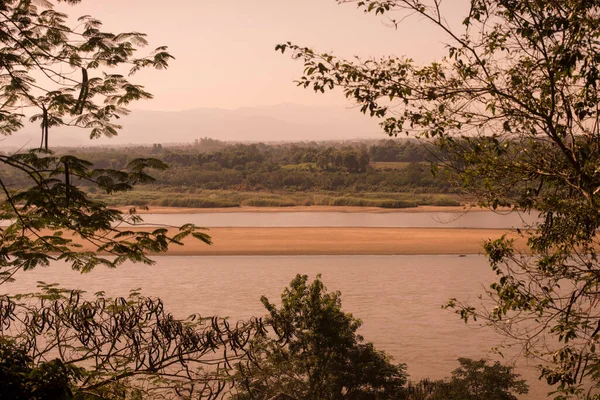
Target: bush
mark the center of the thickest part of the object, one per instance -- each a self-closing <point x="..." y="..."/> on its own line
<point x="314" y="352"/>
<point x="473" y="380"/>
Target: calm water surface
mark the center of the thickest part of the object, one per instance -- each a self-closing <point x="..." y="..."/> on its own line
<point x="473" y="219"/>
<point x="398" y="298"/>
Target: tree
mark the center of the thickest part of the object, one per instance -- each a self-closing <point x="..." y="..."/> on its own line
<point x="55" y="344"/>
<point x="314" y="352"/>
<point x="20" y="381"/>
<point x="473" y="380"/>
<point x="58" y="73"/>
<point x="63" y="344"/>
<point x="513" y="109"/>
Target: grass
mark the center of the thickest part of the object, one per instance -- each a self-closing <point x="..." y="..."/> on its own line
<point x="267" y="202"/>
<point x="197" y="198"/>
<point x="300" y="167"/>
<point x="390" y="165"/>
<point x="196" y="202"/>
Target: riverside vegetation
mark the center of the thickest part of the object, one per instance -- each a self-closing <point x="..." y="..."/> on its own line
<point x="211" y="173"/>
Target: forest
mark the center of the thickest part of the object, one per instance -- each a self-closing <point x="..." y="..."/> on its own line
<point x="212" y="173"/>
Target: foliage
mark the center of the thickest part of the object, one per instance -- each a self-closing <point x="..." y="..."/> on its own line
<point x="114" y="347"/>
<point x="38" y="41"/>
<point x="314" y="352"/>
<point x="58" y="73"/>
<point x="21" y="381"/>
<point x="64" y="72"/>
<point x="514" y="107"/>
<point x="181" y="196"/>
<point x="260" y="167"/>
<point x="473" y="380"/>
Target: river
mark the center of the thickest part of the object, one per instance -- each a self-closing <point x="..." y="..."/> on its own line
<point x="398" y="298"/>
<point x="474" y="219"/>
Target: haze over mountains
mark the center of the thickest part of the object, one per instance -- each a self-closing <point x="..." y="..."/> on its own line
<point x="283" y="122"/>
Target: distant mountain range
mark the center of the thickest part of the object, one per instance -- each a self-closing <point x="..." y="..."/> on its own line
<point x="283" y="122"/>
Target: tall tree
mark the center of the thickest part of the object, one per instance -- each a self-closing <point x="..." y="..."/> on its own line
<point x="56" y="344"/>
<point x="59" y="71"/>
<point x="313" y="352"/>
<point x="514" y="106"/>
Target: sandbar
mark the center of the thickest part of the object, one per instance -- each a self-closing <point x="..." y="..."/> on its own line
<point x="340" y="241"/>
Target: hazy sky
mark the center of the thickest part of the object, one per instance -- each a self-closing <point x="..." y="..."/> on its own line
<point x="224" y="49"/>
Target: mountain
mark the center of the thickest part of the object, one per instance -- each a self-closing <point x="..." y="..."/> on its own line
<point x="282" y="122"/>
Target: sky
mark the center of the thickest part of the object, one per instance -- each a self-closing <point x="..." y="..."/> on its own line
<point x="224" y="49"/>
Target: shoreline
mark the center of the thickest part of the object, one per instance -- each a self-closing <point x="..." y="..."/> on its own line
<point x="317" y="209"/>
<point x="337" y="241"/>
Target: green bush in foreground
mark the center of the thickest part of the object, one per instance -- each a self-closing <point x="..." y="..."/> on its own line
<point x="314" y="352"/>
<point x="473" y="380"/>
<point x="19" y="380"/>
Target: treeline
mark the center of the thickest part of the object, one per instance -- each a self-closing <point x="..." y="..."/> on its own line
<point x="413" y="177"/>
<point x="349" y="173"/>
<point x="331" y="156"/>
<point x="382" y="166"/>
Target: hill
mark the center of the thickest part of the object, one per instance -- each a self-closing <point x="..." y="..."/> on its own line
<point x="283" y="122"/>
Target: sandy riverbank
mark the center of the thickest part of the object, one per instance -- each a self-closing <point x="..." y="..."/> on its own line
<point x="345" y="209"/>
<point x="338" y="241"/>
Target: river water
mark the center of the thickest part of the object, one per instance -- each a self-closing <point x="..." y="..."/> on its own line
<point x="398" y="298"/>
<point x="474" y="219"/>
